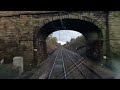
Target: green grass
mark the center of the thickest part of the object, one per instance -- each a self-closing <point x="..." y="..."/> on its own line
<point x="116" y="64"/>
<point x="6" y="72"/>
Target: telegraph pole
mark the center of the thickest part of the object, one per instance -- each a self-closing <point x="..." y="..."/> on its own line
<point x="59" y="35"/>
<point x="108" y="61"/>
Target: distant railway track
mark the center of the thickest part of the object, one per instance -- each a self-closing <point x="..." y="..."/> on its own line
<point x="75" y="64"/>
<point x="63" y="64"/>
<point x="70" y="69"/>
<point x="65" y="72"/>
<point x="61" y="70"/>
<point x="95" y="73"/>
<point x="53" y="66"/>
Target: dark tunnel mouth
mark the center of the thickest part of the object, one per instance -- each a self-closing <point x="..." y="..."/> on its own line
<point x="77" y="25"/>
<point x="83" y="27"/>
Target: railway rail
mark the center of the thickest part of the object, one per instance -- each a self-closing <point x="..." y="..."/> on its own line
<point x="61" y="70"/>
<point x="85" y="66"/>
<point x="53" y="72"/>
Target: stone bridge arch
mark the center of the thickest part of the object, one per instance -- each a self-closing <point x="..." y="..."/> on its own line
<point x="90" y="28"/>
<point x="25" y="26"/>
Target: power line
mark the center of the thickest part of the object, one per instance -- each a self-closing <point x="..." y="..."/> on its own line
<point x="59" y="35"/>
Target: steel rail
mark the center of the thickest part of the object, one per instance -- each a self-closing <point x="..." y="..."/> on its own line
<point x="82" y="73"/>
<point x="71" y="68"/>
<point x="87" y="67"/>
<point x="64" y="70"/>
<point x="53" y="66"/>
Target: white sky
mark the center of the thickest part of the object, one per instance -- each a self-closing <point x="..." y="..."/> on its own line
<point x="65" y="35"/>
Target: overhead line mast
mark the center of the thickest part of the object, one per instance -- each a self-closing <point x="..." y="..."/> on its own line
<point x="59" y="35"/>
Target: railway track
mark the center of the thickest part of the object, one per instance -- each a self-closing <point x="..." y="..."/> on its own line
<point x="74" y="67"/>
<point x="58" y="66"/>
<point x="69" y="65"/>
<point x="63" y="64"/>
<point x="83" y="67"/>
<point x="53" y="66"/>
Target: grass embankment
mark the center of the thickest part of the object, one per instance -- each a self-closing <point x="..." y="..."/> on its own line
<point x="7" y="71"/>
<point x="116" y="66"/>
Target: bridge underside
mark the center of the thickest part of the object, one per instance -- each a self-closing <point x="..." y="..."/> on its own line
<point x="91" y="32"/>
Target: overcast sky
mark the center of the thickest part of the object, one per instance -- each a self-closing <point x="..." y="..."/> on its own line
<point x="65" y="35"/>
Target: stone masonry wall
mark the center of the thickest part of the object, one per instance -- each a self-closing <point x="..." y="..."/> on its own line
<point x="114" y="26"/>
